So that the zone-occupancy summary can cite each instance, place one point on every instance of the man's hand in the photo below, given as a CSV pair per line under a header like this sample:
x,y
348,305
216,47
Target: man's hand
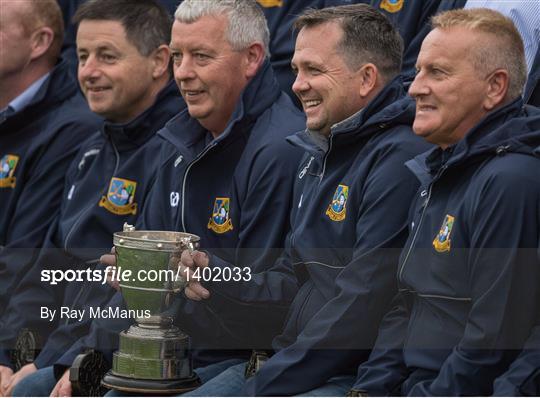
x,y
5,378
63,387
189,262
26,370
110,261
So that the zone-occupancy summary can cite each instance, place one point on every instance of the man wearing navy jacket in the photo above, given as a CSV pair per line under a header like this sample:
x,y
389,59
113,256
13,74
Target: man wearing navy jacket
x,y
43,120
226,172
469,274
348,214
124,73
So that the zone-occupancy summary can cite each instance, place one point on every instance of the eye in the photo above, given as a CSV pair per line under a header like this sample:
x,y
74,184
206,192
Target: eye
x,y
201,57
82,58
108,58
176,56
314,70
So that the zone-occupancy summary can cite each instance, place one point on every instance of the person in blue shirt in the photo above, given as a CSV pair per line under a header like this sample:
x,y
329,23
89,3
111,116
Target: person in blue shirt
x,y
43,120
469,291
108,181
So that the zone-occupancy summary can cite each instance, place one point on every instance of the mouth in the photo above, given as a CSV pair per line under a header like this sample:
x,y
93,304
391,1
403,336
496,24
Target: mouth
x,y
96,89
191,94
312,103
421,108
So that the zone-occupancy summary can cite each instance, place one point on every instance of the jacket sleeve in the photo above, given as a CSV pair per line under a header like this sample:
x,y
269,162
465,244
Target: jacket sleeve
x,y
523,376
503,280
343,331
385,370
38,205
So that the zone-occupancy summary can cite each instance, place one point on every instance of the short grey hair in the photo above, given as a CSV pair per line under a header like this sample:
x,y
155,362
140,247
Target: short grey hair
x,y
246,24
504,51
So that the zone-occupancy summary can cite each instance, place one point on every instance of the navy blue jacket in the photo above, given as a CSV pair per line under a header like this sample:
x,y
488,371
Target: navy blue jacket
x,y
338,247
120,156
470,266
37,145
251,166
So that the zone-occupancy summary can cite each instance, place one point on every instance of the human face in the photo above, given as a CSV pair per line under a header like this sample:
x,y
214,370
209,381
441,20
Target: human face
x,y
115,78
325,85
209,73
450,94
15,43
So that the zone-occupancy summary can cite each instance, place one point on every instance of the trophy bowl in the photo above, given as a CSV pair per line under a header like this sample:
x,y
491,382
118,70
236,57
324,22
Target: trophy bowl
x,y
153,355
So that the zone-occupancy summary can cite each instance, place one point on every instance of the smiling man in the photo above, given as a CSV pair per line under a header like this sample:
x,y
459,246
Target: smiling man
x,y
349,210
469,275
123,71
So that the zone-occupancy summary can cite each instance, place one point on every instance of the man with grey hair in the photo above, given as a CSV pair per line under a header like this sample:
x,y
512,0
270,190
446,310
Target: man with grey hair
x,y
469,277
226,174
351,177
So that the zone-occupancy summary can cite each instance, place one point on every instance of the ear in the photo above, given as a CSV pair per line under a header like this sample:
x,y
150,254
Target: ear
x,y
497,88
160,61
368,78
41,41
254,59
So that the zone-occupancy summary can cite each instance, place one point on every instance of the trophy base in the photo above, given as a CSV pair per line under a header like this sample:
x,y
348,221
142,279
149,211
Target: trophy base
x,y
157,387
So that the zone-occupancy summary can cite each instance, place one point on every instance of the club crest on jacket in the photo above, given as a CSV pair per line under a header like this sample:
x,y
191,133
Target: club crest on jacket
x,y
220,221
337,210
120,197
392,5
8,163
442,242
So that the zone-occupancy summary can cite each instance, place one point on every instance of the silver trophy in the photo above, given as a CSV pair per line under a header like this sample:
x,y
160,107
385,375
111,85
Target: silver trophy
x,y
153,355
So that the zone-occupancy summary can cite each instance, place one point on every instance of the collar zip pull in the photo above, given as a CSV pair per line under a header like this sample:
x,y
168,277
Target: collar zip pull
x,y
502,150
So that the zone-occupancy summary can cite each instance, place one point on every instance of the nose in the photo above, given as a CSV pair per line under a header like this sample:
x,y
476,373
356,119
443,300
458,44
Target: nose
x,y
183,69
419,86
88,69
300,84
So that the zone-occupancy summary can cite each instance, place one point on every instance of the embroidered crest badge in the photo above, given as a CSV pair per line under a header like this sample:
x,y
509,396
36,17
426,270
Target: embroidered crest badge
x,y
220,221
270,3
442,241
8,163
337,210
392,5
120,197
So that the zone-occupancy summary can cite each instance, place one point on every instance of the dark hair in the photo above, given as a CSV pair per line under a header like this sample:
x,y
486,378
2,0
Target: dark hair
x,y
368,36
147,23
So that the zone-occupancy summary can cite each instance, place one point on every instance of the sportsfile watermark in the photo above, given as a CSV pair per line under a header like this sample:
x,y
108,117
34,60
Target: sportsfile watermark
x,y
207,274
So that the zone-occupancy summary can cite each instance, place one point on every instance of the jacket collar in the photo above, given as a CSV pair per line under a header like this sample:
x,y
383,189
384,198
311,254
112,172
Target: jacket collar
x,y
136,132
512,128
259,95
57,87
391,106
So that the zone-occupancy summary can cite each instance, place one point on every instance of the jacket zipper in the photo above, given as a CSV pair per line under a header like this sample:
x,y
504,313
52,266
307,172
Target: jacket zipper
x,y
79,220
185,181
413,241
325,158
